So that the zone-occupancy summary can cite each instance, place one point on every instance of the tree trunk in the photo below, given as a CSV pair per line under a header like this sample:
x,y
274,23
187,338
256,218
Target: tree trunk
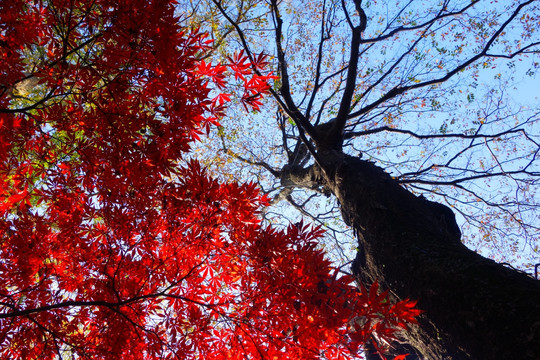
x,y
474,307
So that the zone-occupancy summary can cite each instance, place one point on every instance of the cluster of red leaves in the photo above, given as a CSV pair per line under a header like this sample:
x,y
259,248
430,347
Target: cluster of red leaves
x,y
112,245
247,71
381,319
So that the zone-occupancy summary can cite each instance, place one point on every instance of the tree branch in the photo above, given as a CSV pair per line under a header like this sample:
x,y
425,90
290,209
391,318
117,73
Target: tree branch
x,y
398,90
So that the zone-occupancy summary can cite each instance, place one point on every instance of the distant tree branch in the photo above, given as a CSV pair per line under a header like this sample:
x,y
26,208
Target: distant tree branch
x,y
467,178
398,90
419,26
317,79
352,134
262,164
285,90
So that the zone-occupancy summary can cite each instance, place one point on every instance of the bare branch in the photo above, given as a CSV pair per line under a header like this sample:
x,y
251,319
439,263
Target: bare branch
x,y
398,90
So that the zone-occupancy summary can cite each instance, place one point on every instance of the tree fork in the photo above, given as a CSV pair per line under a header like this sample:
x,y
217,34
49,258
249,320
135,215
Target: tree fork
x,y
474,307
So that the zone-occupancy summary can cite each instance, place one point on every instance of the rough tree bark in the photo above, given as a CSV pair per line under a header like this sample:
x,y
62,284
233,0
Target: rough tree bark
x,y
474,307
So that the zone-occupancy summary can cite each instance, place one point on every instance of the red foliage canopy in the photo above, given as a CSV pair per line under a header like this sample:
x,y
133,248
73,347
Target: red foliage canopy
x,y
112,244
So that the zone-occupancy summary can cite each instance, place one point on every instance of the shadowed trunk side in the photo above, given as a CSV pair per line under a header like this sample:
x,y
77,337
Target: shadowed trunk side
x,y
474,307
